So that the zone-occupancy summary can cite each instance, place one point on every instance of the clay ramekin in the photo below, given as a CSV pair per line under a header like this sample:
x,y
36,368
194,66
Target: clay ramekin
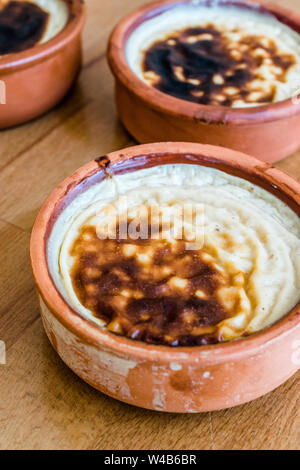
x,y
183,379
35,80
269,132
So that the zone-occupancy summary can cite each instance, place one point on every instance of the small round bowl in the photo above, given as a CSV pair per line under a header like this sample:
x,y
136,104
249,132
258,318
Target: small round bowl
x,y
269,132
182,379
35,80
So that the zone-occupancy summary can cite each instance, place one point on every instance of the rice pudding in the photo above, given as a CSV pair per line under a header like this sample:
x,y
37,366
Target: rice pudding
x,y
217,55
161,288
25,24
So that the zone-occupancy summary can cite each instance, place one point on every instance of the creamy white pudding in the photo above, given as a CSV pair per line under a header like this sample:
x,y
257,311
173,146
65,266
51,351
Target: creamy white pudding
x,y
242,279
25,24
219,55
58,16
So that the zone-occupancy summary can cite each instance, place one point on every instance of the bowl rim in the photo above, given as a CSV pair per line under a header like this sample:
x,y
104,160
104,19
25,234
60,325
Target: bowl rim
x,y
33,55
134,158
163,102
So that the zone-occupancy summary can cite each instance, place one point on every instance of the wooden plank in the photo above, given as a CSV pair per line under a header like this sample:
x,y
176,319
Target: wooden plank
x,y
100,20
45,406
18,307
269,423
291,165
92,131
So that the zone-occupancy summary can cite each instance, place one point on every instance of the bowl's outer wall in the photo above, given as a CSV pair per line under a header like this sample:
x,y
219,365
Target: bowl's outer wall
x,y
33,87
36,89
174,386
268,141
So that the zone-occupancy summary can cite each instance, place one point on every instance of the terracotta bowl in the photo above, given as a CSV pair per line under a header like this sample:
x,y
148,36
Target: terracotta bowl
x,y
269,132
183,379
36,79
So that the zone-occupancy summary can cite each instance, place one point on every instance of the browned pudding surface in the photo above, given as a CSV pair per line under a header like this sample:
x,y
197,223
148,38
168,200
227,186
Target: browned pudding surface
x,y
151,290
205,66
22,25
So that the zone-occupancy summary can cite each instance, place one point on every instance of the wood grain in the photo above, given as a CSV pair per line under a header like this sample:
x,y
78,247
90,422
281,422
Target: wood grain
x,y
44,405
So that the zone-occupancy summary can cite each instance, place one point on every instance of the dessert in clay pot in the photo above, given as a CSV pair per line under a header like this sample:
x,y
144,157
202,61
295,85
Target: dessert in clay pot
x,y
40,55
174,266
214,72
227,56
25,24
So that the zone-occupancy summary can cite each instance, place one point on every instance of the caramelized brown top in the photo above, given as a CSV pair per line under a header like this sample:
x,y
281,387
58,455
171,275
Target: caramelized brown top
x,y
22,25
205,66
150,290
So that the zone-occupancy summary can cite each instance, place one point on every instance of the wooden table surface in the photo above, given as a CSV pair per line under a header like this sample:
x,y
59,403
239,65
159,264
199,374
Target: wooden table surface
x,y
43,404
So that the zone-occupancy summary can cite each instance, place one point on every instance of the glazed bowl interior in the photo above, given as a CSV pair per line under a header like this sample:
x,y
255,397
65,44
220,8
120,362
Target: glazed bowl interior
x,y
43,50
129,160
159,100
